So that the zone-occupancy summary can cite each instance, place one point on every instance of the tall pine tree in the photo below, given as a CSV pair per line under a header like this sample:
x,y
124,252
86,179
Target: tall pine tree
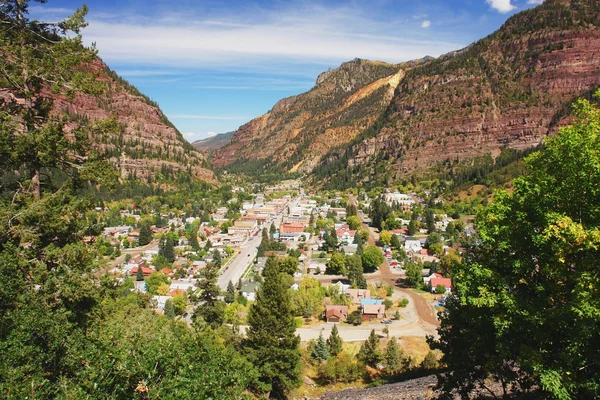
x,y
272,344
321,351
211,309
334,342
369,353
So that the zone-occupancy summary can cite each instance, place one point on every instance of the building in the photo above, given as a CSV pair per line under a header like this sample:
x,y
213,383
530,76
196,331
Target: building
x,y
358,294
373,311
291,227
335,313
243,227
445,282
249,289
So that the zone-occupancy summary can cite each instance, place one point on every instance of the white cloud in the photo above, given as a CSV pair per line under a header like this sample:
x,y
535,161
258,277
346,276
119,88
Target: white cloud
x,y
536,2
266,41
502,6
209,117
426,24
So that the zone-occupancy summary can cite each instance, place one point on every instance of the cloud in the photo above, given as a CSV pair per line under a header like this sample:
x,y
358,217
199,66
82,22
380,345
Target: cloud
x,y
502,6
426,24
536,2
261,40
209,117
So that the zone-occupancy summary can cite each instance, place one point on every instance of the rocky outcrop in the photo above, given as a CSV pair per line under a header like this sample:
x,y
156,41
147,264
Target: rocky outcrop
x,y
213,143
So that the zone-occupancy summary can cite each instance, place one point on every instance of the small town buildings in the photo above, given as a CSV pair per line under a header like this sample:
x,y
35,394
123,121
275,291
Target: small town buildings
x,y
444,282
145,271
373,311
249,289
358,294
335,313
365,302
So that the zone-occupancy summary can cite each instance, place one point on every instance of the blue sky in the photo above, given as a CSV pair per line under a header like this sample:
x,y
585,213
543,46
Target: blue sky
x,y
214,65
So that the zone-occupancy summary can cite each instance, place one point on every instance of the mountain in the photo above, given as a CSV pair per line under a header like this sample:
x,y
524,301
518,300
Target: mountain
x,y
507,90
299,130
213,143
141,142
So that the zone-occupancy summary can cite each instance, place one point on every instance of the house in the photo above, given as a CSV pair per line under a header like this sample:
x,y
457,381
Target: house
x,y
145,271
335,313
249,289
341,287
160,301
412,245
445,282
373,311
427,279
358,294
183,285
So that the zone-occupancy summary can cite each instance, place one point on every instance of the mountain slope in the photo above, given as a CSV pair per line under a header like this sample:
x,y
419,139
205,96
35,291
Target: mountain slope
x,y
213,143
139,140
507,90
299,130
510,89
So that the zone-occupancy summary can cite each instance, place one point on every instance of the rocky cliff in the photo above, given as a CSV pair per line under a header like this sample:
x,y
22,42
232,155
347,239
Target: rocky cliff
x,y
139,140
213,143
509,89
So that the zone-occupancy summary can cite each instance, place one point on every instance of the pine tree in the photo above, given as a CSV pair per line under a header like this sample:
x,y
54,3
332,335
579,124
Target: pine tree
x,y
321,351
169,309
334,342
193,240
392,359
145,235
369,353
230,294
412,227
139,275
272,344
211,308
169,250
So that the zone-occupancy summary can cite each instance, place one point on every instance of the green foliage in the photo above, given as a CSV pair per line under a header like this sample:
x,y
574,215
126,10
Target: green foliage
x,y
154,281
230,294
139,275
336,264
145,235
354,318
272,344
526,310
412,227
395,242
372,258
342,368
169,309
307,301
320,351
354,269
335,342
353,222
385,237
211,309
369,353
166,248
403,302
393,358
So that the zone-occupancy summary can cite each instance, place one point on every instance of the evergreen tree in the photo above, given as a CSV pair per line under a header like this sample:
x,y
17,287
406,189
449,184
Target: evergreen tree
x,y
230,294
211,308
320,351
412,227
354,269
334,342
169,309
392,359
272,344
369,353
145,235
272,229
193,240
395,243
139,275
166,248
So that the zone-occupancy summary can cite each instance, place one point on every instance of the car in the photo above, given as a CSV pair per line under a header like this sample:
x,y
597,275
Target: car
x,y
386,321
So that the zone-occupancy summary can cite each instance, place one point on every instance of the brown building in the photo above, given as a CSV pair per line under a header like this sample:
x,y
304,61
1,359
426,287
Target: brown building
x,y
336,313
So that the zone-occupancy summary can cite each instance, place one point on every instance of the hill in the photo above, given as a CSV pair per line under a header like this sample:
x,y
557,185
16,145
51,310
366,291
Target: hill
x,y
508,90
213,143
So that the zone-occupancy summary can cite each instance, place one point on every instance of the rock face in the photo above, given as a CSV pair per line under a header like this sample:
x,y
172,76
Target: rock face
x,y
299,130
145,142
510,89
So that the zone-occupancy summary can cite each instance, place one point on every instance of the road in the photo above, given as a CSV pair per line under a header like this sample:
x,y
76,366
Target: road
x,y
236,268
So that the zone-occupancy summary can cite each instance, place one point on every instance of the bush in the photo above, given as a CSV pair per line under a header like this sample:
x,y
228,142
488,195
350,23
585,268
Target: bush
x,y
388,303
402,303
343,368
354,318
440,289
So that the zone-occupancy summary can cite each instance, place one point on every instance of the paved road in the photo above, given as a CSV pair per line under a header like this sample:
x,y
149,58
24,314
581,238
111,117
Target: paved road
x,y
236,268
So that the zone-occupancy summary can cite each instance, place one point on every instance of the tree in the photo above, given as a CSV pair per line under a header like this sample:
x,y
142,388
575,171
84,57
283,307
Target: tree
x,y
193,240
379,212
139,275
385,237
430,220
395,242
448,263
169,309
154,281
331,241
527,308
412,227
211,308
166,248
372,258
353,222
336,264
145,235
320,351
393,359
354,271
272,344
354,318
414,275
179,303
230,294
335,342
369,353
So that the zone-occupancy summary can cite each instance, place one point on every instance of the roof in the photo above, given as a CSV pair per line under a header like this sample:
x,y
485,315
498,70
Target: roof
x,y
364,302
250,287
373,309
336,311
446,282
359,292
